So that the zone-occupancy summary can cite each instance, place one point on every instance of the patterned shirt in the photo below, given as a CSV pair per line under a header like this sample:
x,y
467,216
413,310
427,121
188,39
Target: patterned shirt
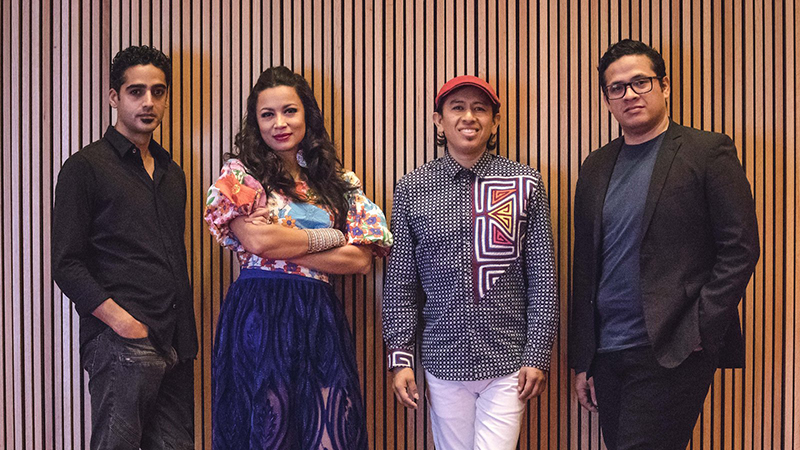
x,y
238,193
478,242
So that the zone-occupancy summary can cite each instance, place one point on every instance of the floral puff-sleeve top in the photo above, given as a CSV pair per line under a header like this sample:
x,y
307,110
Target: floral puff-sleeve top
x,y
237,193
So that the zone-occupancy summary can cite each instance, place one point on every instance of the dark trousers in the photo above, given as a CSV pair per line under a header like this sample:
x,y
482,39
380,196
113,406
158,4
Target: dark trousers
x,y
645,406
140,397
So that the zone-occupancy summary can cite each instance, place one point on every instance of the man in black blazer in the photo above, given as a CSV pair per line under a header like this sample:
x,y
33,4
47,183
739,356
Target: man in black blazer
x,y
665,243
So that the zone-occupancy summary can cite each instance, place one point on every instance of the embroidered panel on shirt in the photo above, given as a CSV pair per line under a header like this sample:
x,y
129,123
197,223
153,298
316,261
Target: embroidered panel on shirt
x,y
499,214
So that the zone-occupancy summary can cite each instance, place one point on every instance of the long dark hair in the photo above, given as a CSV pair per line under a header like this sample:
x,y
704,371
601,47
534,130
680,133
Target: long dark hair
x,y
324,169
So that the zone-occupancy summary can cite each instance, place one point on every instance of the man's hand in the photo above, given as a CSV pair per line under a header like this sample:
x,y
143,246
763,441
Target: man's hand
x,y
132,328
585,389
405,387
532,382
120,320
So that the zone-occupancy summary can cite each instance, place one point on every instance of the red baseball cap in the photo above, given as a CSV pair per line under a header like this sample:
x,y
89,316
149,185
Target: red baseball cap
x,y
465,80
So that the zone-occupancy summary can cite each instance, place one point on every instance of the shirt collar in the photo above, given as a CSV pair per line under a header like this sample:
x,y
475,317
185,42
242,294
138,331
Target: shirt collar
x,y
123,146
480,168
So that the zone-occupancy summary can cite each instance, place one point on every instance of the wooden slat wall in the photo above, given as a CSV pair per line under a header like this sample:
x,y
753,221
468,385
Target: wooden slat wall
x,y
375,67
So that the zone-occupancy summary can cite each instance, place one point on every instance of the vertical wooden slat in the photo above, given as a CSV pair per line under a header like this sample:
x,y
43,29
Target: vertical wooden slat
x,y
791,103
44,173
26,222
772,241
7,431
9,390
6,392
504,35
19,307
36,258
510,68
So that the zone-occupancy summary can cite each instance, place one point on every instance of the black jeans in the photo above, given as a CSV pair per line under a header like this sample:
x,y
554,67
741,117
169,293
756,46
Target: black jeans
x,y
140,398
645,406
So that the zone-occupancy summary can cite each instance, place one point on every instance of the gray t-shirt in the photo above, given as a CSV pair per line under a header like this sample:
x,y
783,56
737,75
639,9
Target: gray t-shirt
x,y
619,297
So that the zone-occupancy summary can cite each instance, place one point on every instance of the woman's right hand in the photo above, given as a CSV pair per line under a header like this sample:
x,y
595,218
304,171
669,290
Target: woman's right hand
x,y
261,216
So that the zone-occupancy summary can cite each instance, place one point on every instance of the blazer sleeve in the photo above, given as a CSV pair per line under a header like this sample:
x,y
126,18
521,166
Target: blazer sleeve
x,y
735,234
581,343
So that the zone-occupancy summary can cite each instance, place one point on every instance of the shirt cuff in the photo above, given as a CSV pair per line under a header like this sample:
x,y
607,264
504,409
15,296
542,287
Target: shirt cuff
x,y
400,358
86,303
536,358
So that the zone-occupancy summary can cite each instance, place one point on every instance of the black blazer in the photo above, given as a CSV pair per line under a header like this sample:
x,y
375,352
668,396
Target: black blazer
x,y
699,248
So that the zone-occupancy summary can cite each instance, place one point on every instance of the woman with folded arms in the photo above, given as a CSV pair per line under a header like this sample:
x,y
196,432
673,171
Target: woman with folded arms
x,y
284,373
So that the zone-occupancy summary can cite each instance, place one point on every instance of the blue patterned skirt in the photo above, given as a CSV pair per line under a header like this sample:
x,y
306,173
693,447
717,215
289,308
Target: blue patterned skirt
x,y
284,374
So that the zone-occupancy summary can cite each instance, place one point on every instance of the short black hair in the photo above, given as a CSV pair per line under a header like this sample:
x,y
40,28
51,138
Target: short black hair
x,y
138,56
627,47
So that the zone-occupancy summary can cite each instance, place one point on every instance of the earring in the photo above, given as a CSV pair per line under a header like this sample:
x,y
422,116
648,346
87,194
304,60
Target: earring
x,y
300,160
492,144
440,140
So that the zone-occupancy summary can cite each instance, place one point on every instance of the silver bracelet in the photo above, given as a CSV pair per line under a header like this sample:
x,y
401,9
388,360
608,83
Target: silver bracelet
x,y
323,239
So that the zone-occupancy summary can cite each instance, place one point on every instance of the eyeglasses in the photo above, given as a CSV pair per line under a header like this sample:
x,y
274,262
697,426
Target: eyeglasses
x,y
640,86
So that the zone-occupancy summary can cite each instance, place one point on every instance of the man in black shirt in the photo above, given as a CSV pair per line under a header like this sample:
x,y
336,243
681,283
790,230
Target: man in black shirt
x,y
665,243
119,255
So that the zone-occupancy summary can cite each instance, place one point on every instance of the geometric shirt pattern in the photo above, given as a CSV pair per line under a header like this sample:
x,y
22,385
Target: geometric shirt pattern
x,y
499,215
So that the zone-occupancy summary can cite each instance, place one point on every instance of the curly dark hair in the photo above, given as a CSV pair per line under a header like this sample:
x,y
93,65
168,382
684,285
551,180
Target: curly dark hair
x,y
627,47
324,169
138,56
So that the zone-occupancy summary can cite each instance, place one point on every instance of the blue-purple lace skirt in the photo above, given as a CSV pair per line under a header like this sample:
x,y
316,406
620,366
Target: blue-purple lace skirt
x,y
284,374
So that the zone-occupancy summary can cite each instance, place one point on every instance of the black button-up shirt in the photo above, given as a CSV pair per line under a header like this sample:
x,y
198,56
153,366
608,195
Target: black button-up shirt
x,y
478,242
117,233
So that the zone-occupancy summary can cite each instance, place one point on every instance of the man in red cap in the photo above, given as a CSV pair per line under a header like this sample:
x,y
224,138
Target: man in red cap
x,y
472,231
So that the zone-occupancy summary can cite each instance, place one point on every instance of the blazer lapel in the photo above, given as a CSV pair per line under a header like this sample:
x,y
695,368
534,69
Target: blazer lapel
x,y
666,154
605,169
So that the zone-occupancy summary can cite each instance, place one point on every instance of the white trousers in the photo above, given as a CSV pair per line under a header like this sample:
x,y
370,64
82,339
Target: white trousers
x,y
475,415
